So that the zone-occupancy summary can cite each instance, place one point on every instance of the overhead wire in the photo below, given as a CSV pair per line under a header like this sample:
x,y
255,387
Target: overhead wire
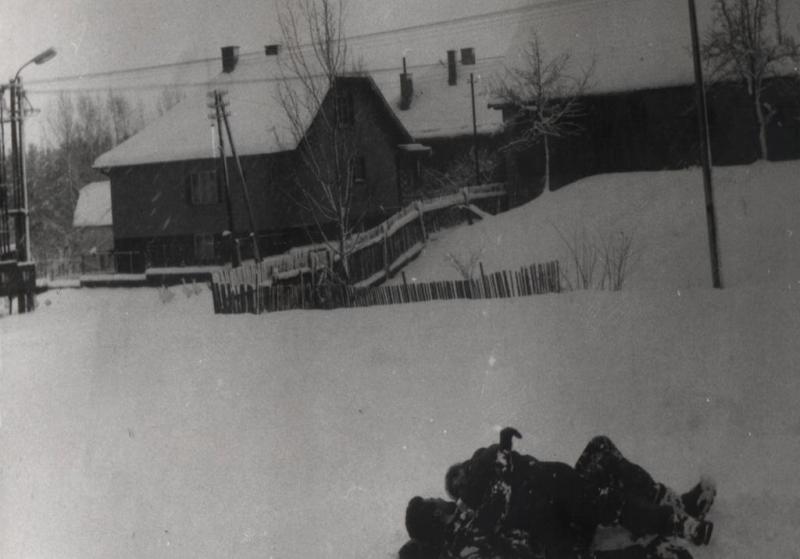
x,y
373,40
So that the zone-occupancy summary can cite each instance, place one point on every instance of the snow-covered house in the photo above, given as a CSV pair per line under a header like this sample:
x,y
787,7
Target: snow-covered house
x,y
92,218
445,104
640,101
168,205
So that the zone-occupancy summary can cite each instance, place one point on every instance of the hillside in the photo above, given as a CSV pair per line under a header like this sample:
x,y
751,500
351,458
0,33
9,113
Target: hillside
x,y
758,216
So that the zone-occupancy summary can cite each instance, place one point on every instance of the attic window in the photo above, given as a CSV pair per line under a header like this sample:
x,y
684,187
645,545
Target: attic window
x,y
468,56
345,108
202,188
358,169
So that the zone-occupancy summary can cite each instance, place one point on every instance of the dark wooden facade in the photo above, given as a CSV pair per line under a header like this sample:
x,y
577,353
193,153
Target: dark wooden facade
x,y
656,129
155,217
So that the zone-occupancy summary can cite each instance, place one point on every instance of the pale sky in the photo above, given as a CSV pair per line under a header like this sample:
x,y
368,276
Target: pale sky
x,y
101,35
94,36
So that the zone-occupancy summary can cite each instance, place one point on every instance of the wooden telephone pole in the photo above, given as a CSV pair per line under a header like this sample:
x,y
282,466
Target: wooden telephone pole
x,y
221,117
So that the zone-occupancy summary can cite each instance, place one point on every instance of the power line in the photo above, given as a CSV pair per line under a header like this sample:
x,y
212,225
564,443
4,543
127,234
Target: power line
x,y
213,82
483,21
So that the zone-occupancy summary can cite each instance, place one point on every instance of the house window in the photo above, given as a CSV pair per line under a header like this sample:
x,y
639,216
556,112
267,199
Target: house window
x,y
358,169
468,56
203,188
345,108
204,247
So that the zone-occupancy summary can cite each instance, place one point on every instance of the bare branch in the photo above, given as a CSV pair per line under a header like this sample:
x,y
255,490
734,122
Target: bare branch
x,y
544,100
313,93
741,47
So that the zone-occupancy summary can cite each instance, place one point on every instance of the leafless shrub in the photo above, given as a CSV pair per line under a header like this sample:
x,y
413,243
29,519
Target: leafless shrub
x,y
598,261
618,255
466,265
461,172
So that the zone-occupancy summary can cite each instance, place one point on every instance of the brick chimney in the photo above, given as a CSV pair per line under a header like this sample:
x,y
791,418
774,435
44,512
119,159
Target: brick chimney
x,y
230,56
452,75
406,88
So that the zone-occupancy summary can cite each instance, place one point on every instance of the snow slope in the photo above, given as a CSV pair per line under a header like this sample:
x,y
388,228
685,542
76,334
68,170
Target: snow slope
x,y
758,217
130,427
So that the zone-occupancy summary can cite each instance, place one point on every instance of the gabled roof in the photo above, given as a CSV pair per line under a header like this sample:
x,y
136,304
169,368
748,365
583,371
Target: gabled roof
x,y
632,45
94,205
440,110
258,121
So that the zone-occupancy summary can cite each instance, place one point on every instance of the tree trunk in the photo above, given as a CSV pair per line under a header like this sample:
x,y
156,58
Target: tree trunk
x,y
547,163
762,125
343,256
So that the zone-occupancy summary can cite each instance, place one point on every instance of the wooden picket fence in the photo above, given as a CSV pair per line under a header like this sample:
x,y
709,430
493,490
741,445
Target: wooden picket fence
x,y
254,298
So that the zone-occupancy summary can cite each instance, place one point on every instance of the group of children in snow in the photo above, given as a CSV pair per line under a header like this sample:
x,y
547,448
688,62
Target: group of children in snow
x,y
506,505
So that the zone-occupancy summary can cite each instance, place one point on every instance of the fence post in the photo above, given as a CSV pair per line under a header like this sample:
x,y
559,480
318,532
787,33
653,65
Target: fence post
x,y
484,282
465,193
421,213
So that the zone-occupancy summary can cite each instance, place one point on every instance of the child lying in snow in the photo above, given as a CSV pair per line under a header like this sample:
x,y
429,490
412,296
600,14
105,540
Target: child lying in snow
x,y
513,506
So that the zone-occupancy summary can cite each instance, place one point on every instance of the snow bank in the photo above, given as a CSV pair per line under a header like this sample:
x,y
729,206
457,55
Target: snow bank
x,y
758,216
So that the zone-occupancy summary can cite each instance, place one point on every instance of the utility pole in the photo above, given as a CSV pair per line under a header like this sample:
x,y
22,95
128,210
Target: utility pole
x,y
705,149
18,174
218,107
475,130
253,238
5,240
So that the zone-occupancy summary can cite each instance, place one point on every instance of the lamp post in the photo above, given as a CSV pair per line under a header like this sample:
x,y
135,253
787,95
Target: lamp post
x,y
22,226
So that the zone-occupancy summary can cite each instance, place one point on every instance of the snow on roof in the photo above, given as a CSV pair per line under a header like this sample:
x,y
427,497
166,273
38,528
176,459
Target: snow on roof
x,y
628,44
257,119
260,125
94,205
631,44
442,110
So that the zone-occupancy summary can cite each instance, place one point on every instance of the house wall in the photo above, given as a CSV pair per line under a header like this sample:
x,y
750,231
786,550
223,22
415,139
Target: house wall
x,y
374,136
152,212
657,129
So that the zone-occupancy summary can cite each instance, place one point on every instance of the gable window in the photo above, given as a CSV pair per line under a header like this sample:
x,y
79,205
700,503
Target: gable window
x,y
204,247
203,189
358,169
345,108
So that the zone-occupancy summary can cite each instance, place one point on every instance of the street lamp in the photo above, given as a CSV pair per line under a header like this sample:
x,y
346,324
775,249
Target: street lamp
x,y
22,226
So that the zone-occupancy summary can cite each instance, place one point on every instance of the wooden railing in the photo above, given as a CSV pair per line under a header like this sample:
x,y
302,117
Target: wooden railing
x,y
373,255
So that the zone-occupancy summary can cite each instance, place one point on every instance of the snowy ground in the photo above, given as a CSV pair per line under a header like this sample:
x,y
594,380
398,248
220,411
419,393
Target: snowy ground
x,y
664,214
130,427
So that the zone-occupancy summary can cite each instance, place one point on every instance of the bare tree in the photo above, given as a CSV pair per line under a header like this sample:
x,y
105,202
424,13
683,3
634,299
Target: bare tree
x,y
168,98
743,46
460,172
314,88
543,99
124,120
79,130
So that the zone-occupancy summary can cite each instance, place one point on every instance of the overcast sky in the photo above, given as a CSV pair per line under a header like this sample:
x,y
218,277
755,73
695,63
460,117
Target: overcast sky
x,y
101,35
94,36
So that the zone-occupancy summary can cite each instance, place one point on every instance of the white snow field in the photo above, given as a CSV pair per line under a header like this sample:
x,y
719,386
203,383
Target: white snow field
x,y
130,427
